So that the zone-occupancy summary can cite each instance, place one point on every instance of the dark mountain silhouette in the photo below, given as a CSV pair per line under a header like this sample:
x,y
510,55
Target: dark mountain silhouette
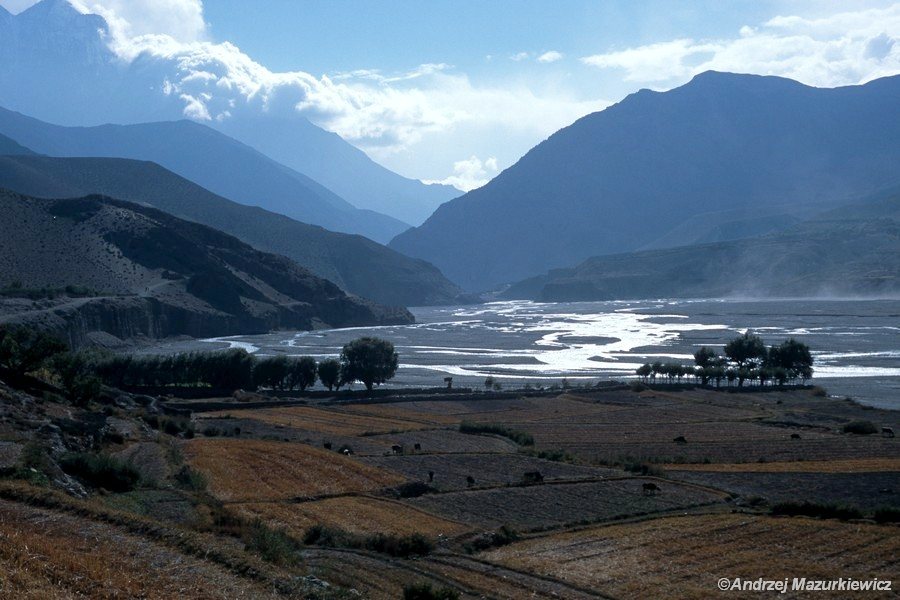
x,y
10,146
354,262
155,275
712,160
849,251
211,159
55,64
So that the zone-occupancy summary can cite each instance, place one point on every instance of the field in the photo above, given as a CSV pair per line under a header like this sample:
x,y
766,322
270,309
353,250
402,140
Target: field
x,y
260,470
684,557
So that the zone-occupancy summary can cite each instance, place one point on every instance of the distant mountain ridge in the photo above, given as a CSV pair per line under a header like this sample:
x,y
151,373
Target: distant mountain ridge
x,y
210,159
159,275
55,65
355,263
723,151
849,251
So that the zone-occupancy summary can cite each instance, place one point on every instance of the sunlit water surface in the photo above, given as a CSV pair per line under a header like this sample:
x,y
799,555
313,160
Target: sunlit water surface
x,y
856,343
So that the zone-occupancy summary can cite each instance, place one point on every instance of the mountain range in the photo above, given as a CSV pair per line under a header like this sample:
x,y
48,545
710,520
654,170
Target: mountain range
x,y
143,272
850,251
57,65
210,159
355,263
723,157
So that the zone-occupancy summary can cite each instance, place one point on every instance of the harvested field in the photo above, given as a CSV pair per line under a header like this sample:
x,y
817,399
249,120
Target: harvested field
x,y
683,557
357,514
450,471
329,421
48,555
259,470
440,441
862,465
547,506
867,491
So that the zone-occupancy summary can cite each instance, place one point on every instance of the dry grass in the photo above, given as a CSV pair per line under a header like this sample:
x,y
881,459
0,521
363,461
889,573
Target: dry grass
x,y
685,556
355,514
322,420
46,555
242,470
862,465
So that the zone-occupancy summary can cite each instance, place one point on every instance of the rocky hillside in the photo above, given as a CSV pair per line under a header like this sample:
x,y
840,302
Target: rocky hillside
x,y
723,157
355,263
138,272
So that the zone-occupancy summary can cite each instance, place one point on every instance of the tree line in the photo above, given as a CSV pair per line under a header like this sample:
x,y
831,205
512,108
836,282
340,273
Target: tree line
x,y
746,358
371,361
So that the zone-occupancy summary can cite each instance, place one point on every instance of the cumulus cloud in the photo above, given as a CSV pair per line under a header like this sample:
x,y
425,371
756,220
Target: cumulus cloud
x,y
840,49
471,173
550,56
520,56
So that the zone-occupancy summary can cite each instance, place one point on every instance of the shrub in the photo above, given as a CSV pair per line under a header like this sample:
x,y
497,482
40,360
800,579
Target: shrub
x,y
424,591
414,489
25,349
210,431
645,469
887,514
812,509
861,427
191,479
520,437
554,455
402,546
502,537
101,471
273,545
819,392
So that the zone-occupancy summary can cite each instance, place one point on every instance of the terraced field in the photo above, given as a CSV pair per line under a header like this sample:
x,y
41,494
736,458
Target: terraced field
x,y
451,470
331,421
547,506
685,556
357,514
261,470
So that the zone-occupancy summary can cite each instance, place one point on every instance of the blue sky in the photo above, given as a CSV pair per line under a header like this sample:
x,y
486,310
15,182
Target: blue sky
x,y
458,90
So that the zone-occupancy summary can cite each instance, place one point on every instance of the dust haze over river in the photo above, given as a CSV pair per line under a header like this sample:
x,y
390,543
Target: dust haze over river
x,y
855,343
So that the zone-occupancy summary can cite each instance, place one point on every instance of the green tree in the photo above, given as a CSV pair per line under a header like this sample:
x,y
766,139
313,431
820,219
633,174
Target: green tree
x,y
369,360
26,349
644,371
793,357
271,372
301,373
747,352
330,373
705,357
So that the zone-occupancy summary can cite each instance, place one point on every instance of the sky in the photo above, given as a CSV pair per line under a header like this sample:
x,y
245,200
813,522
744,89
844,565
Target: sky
x,y
457,90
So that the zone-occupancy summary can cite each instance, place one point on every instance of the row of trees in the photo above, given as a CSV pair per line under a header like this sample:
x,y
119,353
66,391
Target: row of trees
x,y
746,358
371,361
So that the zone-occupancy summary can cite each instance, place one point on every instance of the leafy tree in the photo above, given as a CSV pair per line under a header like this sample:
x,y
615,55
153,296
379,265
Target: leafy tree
x,y
488,382
706,357
747,352
271,372
369,360
76,374
644,372
792,356
301,373
26,349
330,373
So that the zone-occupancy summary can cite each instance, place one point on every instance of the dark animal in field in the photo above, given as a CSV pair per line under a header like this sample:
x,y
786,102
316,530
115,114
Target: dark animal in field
x,y
417,447
795,436
345,450
887,431
327,445
430,476
532,477
680,440
885,491
397,449
650,489
470,481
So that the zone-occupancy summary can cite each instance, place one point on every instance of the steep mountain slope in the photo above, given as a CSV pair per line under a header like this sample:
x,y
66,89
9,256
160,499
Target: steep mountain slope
x,y
355,263
155,275
209,158
854,250
628,177
55,64
10,146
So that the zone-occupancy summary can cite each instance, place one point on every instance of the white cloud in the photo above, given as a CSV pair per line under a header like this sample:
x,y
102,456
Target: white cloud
x,y
550,56
519,56
471,173
841,49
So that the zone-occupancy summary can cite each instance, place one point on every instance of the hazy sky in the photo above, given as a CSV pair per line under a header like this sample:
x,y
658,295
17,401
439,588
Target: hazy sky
x,y
456,90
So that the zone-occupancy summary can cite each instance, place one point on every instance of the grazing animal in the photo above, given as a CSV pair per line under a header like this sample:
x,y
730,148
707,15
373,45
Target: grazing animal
x,y
650,489
680,440
795,436
397,449
430,476
533,477
417,447
347,451
327,445
887,431
470,481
